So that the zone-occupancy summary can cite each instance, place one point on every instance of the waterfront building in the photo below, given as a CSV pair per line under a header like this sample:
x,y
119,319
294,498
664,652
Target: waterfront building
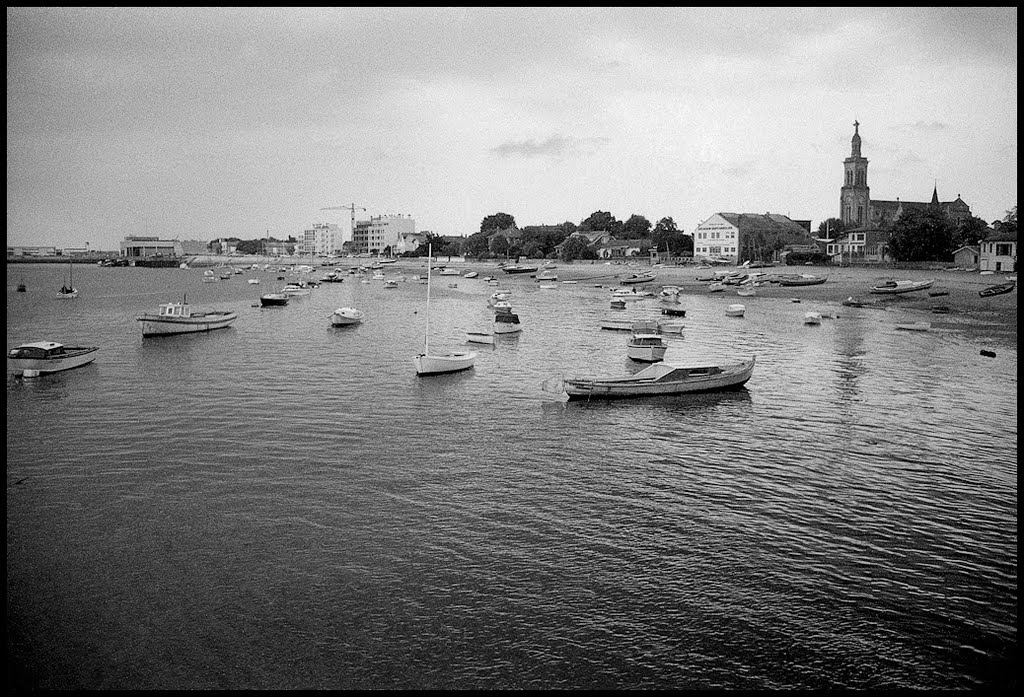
x,y
737,237
140,247
967,257
998,252
380,235
321,240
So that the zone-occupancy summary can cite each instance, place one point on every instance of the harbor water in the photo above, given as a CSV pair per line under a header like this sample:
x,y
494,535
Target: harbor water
x,y
284,504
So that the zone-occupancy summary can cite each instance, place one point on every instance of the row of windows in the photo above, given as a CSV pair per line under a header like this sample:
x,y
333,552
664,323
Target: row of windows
x,y
716,235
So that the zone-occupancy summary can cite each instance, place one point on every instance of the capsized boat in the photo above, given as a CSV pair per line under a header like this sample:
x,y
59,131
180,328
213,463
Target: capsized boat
x,y
662,379
178,318
41,357
345,316
897,287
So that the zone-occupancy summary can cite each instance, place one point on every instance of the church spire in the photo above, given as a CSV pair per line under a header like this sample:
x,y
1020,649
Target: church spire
x,y
935,194
855,142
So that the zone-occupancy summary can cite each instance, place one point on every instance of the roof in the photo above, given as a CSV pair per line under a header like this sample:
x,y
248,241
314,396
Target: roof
x,y
765,222
45,345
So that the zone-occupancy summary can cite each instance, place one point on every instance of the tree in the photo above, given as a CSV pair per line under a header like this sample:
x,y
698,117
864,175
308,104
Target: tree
x,y
665,234
577,247
601,221
497,221
970,231
1008,223
476,245
665,225
924,234
636,228
831,228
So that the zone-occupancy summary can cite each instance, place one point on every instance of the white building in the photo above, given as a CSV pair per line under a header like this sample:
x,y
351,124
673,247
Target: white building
x,y
999,252
381,235
322,240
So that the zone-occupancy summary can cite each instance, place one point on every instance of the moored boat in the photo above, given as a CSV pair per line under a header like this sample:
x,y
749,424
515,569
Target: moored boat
x,y
645,342
812,318
41,357
273,299
897,287
480,338
345,316
178,318
507,323
662,379
428,363
736,310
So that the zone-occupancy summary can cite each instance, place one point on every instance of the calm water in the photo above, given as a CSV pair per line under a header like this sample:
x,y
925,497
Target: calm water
x,y
283,504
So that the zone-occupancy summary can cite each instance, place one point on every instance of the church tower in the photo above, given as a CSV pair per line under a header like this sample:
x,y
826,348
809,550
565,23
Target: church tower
x,y
855,197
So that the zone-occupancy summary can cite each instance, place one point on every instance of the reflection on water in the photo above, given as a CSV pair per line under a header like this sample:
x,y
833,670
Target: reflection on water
x,y
285,504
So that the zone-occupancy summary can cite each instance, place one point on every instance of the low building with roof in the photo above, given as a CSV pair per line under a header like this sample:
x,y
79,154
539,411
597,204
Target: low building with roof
x,y
738,237
998,252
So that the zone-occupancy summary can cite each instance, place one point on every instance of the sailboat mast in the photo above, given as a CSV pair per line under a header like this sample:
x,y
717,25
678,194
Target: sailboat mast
x,y
426,335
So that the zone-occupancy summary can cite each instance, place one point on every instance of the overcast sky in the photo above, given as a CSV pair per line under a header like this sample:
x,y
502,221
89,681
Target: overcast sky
x,y
209,122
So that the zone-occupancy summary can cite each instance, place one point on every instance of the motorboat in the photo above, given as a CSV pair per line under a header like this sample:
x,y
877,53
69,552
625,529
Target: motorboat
x,y
273,299
502,307
507,323
897,287
391,283
662,379
41,357
299,288
254,281
344,316
673,311
178,318
646,343
631,293
812,318
618,304
736,310
997,289
209,276
616,325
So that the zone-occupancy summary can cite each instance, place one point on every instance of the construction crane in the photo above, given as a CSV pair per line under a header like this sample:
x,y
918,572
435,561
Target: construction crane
x,y
350,207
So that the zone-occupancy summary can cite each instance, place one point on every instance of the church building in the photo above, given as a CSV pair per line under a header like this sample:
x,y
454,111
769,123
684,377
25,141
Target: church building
x,y
869,221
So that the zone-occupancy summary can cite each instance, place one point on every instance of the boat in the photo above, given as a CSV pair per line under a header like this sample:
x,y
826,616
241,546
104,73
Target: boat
x,y
548,286
546,276
391,283
41,357
716,287
662,379
673,311
345,316
507,323
897,287
21,288
736,310
637,278
254,281
178,318
520,269
853,302
299,288
619,325
915,326
69,291
802,279
673,327
812,318
645,342
746,291
273,299
618,304
447,272
480,338
209,276
997,289
631,293
428,363
471,274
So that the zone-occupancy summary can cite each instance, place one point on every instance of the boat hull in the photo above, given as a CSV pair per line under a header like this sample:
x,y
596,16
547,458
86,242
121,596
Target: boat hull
x,y
155,325
732,377
436,364
996,290
646,354
74,357
273,300
904,287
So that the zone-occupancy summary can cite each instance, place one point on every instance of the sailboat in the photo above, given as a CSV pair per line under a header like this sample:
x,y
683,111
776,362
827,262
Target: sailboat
x,y
428,363
69,290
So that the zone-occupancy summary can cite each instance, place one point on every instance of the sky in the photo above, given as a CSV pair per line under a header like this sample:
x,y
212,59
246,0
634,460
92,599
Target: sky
x,y
200,123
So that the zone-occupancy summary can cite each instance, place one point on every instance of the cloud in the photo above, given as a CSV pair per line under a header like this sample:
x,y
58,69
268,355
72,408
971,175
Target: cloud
x,y
555,146
924,126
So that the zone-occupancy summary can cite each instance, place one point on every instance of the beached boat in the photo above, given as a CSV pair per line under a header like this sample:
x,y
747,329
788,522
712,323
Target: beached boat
x,y
273,299
897,287
471,274
997,289
507,323
41,357
637,278
645,342
716,287
735,310
428,363
746,291
546,276
802,279
345,316
662,379
178,318
520,269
